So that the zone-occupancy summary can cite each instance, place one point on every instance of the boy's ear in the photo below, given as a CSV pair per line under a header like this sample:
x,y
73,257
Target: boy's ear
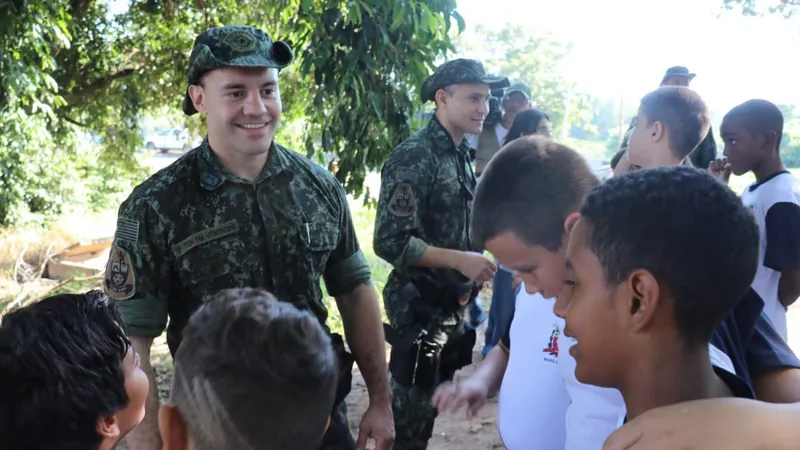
x,y
174,433
770,140
327,425
569,223
658,131
644,298
108,427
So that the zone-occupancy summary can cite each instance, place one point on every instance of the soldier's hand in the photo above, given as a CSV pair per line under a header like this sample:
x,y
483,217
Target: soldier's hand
x,y
451,397
720,169
476,267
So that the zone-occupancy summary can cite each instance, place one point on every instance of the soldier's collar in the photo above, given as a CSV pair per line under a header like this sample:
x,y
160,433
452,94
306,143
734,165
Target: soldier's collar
x,y
442,136
213,174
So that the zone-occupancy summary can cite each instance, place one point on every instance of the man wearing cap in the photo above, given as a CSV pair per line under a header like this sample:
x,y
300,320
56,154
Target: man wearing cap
x,y
243,211
704,153
422,229
517,98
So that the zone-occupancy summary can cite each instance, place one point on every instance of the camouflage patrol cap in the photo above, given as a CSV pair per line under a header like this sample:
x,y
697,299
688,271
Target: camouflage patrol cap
x,y
233,46
459,71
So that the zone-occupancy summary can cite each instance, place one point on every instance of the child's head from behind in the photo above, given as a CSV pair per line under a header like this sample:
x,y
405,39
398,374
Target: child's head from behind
x,y
752,134
659,257
525,204
69,378
251,373
672,121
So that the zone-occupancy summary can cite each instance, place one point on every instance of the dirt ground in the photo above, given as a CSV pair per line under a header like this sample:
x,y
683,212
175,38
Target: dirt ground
x,y
451,431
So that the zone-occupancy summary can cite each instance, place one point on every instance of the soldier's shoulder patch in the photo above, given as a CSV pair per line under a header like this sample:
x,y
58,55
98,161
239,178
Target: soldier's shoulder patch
x,y
127,230
402,203
120,278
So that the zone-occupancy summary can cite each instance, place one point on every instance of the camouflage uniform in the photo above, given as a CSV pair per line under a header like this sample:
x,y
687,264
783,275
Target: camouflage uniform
x,y
194,228
426,196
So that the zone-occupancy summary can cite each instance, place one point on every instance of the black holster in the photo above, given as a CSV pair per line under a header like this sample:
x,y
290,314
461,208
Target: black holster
x,y
457,353
414,360
345,365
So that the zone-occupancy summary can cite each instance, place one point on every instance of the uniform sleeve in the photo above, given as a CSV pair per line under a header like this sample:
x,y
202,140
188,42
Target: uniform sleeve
x,y
347,267
782,227
138,273
767,350
405,181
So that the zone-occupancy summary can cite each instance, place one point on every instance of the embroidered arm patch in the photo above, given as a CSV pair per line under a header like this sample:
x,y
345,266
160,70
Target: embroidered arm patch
x,y
127,230
120,279
402,203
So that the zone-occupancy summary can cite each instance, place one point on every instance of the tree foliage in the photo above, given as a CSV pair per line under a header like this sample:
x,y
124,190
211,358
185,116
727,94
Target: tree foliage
x,y
536,59
70,68
787,8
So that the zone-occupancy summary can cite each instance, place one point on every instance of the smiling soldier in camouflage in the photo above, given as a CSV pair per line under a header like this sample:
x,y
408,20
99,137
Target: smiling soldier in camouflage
x,y
243,211
422,229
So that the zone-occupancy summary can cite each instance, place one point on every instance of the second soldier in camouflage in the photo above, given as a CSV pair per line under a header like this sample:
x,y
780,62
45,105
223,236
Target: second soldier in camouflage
x,y
422,229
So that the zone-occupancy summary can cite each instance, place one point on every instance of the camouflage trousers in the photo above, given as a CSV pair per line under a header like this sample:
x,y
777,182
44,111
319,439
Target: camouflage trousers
x,y
414,414
338,436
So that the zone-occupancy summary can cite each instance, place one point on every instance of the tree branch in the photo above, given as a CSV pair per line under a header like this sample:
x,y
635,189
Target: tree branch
x,y
82,94
74,122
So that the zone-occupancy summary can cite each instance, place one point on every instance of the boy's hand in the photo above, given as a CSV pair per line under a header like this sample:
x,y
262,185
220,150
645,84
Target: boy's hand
x,y
720,169
729,423
450,397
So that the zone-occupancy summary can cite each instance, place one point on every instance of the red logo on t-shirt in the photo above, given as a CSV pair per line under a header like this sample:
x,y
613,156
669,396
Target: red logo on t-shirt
x,y
552,347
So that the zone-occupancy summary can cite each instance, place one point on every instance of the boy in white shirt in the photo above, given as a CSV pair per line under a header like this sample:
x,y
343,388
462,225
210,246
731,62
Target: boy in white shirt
x,y
752,136
570,415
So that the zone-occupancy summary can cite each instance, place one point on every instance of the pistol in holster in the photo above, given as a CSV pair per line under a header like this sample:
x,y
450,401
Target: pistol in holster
x,y
417,361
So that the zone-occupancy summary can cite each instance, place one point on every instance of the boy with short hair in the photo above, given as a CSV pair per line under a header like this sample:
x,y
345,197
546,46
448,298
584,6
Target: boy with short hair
x,y
251,373
526,205
672,121
69,378
534,189
641,311
752,135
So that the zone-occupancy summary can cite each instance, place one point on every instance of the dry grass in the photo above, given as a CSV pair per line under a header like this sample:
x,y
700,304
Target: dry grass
x,y
24,252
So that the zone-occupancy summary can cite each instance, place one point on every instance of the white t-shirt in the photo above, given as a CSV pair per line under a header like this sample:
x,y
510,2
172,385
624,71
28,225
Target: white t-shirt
x,y
533,400
541,403
775,202
501,132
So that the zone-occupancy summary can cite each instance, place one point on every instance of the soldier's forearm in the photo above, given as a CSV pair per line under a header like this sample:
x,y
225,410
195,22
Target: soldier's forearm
x,y
146,436
363,329
439,258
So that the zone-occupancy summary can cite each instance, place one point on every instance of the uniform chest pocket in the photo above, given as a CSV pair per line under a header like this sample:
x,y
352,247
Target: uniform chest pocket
x,y
318,241
319,237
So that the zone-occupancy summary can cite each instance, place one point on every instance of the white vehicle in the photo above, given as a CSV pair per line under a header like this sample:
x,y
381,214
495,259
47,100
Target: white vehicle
x,y
172,139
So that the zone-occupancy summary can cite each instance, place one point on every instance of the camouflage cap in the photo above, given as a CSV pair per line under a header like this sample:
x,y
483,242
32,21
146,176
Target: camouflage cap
x,y
233,46
459,71
522,88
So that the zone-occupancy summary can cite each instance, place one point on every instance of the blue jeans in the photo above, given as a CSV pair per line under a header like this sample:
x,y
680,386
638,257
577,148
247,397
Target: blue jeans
x,y
501,310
